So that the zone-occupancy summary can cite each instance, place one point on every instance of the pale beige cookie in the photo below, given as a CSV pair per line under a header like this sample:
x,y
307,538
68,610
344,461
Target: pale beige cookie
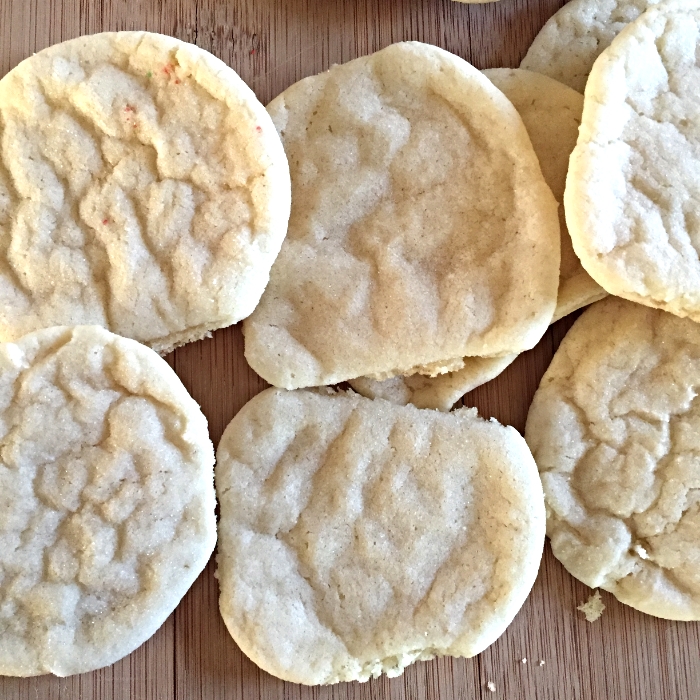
x,y
551,113
439,392
357,537
421,228
614,428
569,43
106,499
143,188
633,189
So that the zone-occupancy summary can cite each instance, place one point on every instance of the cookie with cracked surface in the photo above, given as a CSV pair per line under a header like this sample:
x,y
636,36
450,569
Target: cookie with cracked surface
x,y
569,43
143,188
421,226
633,188
357,536
106,499
551,113
614,430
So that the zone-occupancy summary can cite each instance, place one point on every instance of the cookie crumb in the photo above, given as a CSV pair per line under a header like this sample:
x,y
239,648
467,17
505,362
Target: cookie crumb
x,y
593,607
491,686
524,660
640,551
541,662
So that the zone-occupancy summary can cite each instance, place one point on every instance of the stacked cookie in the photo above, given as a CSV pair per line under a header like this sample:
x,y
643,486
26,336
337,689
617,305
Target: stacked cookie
x,y
143,192
551,113
421,232
612,425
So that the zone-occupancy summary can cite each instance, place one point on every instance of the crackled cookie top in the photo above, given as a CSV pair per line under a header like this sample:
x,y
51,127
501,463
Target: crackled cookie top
x,y
106,499
357,536
143,188
569,43
614,428
421,226
633,190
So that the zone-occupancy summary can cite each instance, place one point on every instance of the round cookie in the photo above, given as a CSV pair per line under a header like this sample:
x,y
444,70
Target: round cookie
x,y
357,537
106,499
633,188
569,43
421,226
143,188
551,113
614,429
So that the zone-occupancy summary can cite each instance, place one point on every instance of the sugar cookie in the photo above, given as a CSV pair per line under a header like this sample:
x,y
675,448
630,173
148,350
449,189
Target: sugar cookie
x,y
357,537
143,188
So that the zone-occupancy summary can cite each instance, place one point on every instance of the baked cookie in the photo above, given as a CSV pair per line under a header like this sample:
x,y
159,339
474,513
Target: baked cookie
x,y
106,499
421,226
569,43
551,113
143,188
439,392
357,537
633,190
614,428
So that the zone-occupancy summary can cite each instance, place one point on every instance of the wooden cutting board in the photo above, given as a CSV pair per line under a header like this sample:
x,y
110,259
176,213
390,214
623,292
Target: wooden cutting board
x,y
272,43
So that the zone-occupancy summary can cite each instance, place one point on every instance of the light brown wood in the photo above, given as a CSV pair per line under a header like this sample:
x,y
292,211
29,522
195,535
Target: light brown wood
x,y
273,43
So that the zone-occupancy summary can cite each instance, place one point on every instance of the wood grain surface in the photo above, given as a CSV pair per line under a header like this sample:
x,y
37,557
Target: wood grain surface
x,y
272,43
